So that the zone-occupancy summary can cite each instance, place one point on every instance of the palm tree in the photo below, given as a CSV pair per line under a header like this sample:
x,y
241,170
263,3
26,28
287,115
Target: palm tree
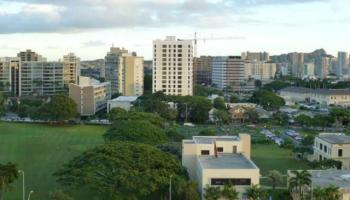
x,y
318,193
8,174
212,193
255,193
299,181
332,193
229,192
276,178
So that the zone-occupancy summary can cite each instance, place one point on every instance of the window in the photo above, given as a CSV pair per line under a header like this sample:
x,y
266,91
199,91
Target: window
x,y
340,152
205,152
233,181
234,149
220,149
325,148
321,146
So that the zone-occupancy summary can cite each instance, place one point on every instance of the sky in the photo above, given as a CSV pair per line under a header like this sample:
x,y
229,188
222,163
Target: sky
x,y
89,28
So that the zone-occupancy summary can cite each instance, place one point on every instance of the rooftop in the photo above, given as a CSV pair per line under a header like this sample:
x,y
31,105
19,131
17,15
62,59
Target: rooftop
x,y
210,139
319,91
335,138
338,178
226,161
125,98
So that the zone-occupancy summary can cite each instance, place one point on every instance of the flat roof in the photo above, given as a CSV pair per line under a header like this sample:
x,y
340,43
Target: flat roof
x,y
210,139
125,98
226,161
304,90
324,178
335,139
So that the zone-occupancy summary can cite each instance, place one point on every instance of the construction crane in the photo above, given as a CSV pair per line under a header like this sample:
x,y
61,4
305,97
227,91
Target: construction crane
x,y
196,39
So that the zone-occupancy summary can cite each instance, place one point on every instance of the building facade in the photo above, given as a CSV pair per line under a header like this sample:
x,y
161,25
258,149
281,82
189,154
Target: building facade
x,y
343,63
29,56
230,72
41,78
263,71
256,56
9,75
218,160
173,66
297,60
309,69
71,68
202,69
90,95
133,74
124,102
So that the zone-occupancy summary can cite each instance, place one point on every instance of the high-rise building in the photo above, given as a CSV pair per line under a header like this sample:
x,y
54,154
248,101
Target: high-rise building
x,y
264,71
114,69
90,95
41,78
256,56
297,60
323,70
30,55
71,68
230,72
173,66
133,76
343,63
202,67
309,69
9,75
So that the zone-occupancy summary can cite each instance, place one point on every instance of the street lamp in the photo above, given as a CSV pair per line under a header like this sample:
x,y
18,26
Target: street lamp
x,y
23,184
170,187
30,194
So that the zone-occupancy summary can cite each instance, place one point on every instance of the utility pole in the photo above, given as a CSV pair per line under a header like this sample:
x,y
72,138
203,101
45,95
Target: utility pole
x,y
23,185
186,113
170,187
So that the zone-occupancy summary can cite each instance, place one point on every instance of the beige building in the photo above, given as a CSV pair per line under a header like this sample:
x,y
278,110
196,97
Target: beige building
x,y
90,95
29,56
71,68
218,160
133,76
263,71
40,78
238,111
297,60
339,97
333,146
9,75
173,66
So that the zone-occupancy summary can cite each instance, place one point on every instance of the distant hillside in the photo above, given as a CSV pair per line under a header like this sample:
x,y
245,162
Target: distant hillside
x,y
314,56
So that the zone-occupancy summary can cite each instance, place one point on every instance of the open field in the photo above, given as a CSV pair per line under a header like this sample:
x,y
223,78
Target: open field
x,y
40,149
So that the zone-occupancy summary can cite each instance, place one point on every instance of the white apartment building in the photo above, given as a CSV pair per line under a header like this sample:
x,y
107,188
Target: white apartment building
x,y
219,160
309,70
40,78
71,68
173,66
90,95
9,75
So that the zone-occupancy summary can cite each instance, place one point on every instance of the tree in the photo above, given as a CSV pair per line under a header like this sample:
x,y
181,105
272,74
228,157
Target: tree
x,y
252,115
229,192
153,118
207,132
219,103
234,99
59,195
267,99
196,108
221,116
60,108
276,178
299,182
122,170
185,190
205,91
281,118
137,131
254,192
117,114
332,193
341,116
2,102
304,120
8,174
212,193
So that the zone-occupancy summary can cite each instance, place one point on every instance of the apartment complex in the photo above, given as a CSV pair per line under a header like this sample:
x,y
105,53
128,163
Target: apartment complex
x,y
133,76
342,63
297,60
219,160
9,75
173,66
114,69
71,68
29,56
339,97
230,72
322,70
263,71
333,146
202,68
90,95
40,78
309,69
256,56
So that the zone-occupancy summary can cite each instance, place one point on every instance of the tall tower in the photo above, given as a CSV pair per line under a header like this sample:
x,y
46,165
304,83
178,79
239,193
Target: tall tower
x,y
71,69
343,63
173,66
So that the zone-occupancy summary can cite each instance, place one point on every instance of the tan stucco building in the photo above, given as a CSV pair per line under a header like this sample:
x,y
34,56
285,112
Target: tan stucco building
x,y
218,160
71,68
133,76
333,146
90,95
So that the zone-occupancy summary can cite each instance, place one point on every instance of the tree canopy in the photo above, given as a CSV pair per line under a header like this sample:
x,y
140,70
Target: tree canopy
x,y
122,170
2,102
8,174
267,99
137,131
219,103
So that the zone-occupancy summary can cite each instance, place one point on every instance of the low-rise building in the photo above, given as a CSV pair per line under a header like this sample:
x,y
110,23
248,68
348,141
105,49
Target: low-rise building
x,y
124,102
338,97
238,110
333,146
218,160
90,95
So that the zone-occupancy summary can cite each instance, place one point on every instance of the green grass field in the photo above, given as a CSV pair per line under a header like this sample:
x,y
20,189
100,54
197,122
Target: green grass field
x,y
40,150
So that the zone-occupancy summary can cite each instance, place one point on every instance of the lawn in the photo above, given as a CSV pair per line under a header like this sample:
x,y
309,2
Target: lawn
x,y
40,150
270,156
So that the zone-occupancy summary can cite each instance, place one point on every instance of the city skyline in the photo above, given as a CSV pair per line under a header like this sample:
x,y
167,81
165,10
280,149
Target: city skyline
x,y
54,28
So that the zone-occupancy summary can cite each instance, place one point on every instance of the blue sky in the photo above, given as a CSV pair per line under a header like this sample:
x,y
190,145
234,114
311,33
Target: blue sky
x,y
89,27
